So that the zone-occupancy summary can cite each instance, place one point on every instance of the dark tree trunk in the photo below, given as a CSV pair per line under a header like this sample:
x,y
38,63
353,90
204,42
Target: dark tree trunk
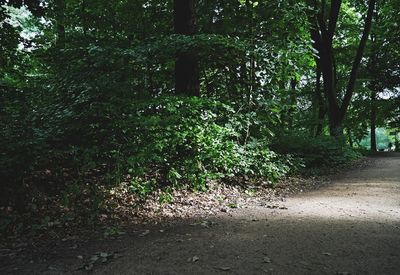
x,y
187,74
293,84
351,143
319,101
328,74
357,61
84,18
373,122
322,33
60,23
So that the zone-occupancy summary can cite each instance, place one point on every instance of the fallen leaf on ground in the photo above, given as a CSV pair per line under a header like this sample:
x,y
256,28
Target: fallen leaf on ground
x,y
88,266
267,260
195,259
146,232
94,258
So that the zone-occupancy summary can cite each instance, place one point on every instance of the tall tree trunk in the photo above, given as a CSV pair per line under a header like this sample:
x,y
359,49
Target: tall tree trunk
x,y
187,74
329,83
373,121
60,23
84,17
323,33
357,61
319,101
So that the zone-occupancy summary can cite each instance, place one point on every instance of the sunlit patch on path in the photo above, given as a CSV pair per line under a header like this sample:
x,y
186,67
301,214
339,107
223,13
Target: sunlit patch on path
x,y
368,194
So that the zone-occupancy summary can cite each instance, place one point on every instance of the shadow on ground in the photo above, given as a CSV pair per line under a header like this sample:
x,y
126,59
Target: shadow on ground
x,y
244,245
351,226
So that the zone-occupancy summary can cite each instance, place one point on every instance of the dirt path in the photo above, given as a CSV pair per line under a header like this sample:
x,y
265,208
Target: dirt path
x,y
351,226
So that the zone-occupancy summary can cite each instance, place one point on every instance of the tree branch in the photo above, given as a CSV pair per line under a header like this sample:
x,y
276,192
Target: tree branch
x,y
333,18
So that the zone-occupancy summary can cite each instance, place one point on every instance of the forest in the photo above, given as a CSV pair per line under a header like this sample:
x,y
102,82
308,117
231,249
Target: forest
x,y
158,95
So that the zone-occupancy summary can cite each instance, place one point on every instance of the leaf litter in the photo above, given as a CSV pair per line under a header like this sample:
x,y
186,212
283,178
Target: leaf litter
x,y
99,257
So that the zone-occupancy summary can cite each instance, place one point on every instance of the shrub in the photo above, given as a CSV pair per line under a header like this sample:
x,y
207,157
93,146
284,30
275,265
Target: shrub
x,y
322,151
193,140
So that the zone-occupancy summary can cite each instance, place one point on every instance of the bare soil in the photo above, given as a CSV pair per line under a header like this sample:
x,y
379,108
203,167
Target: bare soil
x,y
350,225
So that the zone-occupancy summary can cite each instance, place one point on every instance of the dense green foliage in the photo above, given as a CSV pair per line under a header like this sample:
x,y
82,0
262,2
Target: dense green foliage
x,y
87,91
193,140
320,151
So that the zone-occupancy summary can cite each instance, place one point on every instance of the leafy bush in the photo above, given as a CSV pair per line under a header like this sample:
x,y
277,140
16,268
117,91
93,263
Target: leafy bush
x,y
318,151
193,140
